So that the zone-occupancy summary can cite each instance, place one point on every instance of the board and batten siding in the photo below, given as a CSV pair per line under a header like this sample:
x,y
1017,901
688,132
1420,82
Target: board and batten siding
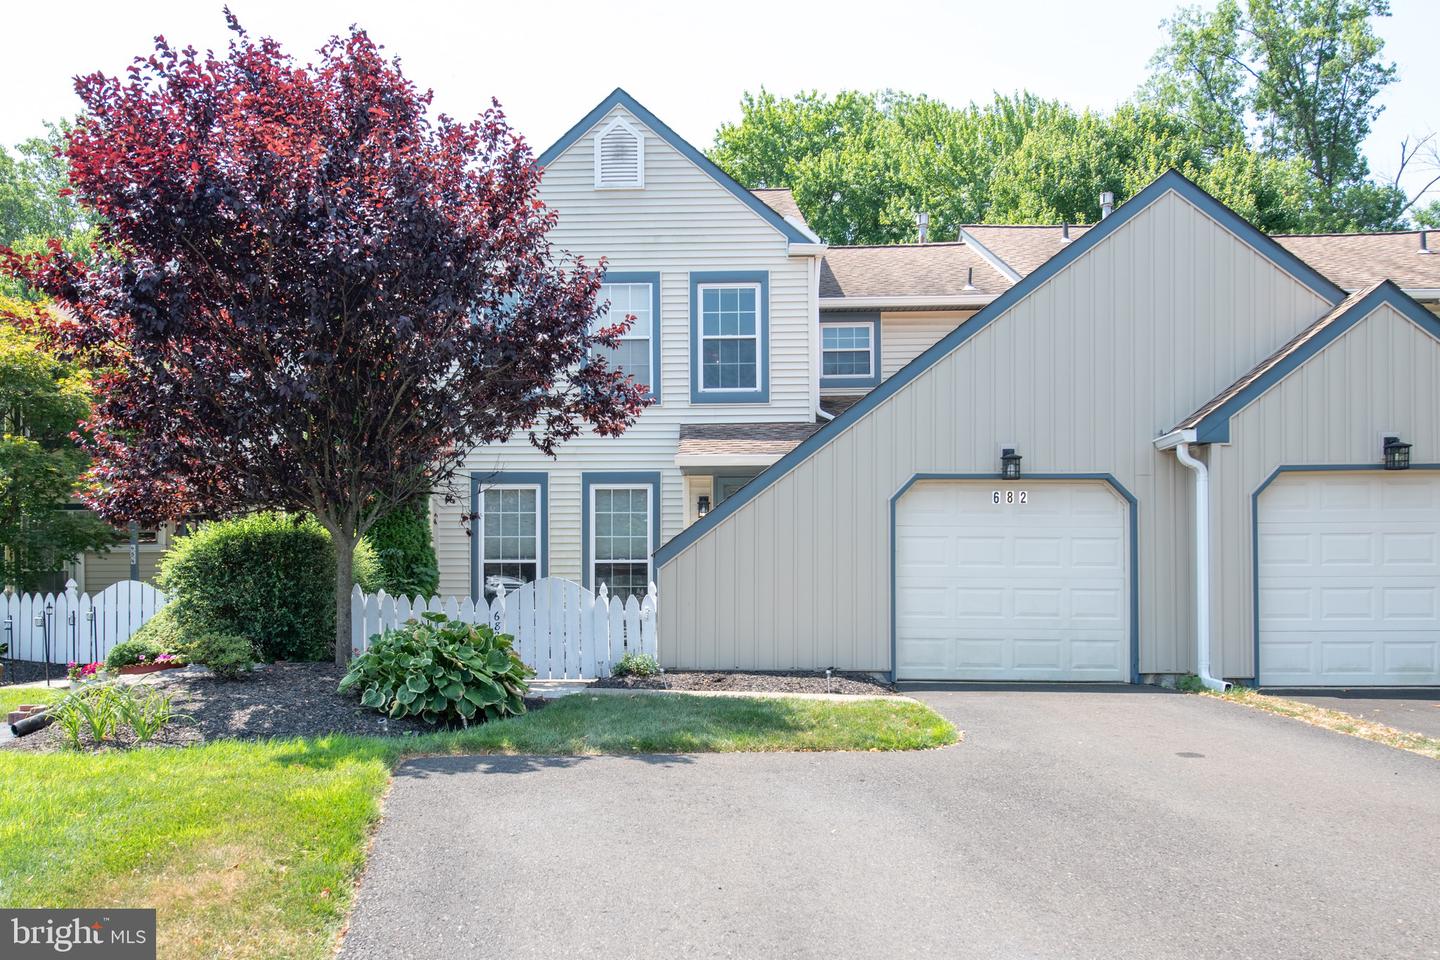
x,y
1381,375
1081,376
682,221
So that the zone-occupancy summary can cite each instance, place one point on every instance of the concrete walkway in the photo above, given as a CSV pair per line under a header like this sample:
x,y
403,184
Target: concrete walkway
x,y
1129,823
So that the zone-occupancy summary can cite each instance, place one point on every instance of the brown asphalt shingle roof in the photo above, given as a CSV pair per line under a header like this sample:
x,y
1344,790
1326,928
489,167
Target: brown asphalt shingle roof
x,y
782,201
1354,260
915,269
743,438
1024,247
1270,362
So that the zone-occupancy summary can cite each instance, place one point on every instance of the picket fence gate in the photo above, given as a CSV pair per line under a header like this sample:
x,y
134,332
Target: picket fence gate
x,y
562,630
75,626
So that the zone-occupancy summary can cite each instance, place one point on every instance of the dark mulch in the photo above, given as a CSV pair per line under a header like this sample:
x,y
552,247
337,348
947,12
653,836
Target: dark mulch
x,y
794,681
29,671
277,700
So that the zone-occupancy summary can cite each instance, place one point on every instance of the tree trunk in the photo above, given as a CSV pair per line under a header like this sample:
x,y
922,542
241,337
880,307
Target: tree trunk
x,y
344,583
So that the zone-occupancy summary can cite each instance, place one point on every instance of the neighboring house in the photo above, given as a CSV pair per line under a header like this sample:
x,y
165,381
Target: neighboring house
x,y
1118,362
723,288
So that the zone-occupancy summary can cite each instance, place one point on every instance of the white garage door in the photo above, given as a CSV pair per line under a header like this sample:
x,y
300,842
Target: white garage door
x,y
1014,581
1349,587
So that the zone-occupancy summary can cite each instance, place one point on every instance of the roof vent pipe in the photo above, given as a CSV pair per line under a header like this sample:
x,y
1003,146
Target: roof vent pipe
x,y
922,223
1425,242
1107,204
969,278
1064,233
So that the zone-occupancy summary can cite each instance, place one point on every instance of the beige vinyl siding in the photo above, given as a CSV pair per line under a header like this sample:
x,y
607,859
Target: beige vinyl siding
x,y
1081,376
114,567
1383,374
682,221
904,335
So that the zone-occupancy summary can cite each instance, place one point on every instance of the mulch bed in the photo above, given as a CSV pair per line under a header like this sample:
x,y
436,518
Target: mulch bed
x,y
30,671
277,700
794,681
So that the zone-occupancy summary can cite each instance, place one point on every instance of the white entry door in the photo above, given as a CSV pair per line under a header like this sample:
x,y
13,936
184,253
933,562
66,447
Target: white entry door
x,y
1021,580
1349,579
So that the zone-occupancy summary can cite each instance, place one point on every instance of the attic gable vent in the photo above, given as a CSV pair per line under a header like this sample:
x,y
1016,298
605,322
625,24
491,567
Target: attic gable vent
x,y
619,157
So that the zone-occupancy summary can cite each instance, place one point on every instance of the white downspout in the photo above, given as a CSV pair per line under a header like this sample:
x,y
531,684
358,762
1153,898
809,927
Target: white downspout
x,y
1202,567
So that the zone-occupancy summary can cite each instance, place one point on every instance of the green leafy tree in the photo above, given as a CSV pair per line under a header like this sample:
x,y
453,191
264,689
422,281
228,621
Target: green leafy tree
x,y
402,544
42,400
1309,73
35,202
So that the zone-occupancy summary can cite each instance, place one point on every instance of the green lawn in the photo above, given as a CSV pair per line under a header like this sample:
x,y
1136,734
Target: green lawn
x,y
11,697
250,849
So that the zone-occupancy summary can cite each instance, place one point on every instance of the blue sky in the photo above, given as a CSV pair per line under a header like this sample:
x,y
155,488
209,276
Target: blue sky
x,y
549,63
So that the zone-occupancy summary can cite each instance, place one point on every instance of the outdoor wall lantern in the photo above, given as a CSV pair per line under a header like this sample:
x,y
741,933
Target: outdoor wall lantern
x,y
1397,454
1010,464
702,506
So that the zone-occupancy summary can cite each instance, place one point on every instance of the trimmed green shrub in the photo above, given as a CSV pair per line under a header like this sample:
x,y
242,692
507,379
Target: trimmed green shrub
x,y
268,577
635,665
228,655
140,649
162,632
407,557
441,670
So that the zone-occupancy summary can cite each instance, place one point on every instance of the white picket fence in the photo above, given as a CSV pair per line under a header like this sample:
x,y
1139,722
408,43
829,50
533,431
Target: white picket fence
x,y
561,629
75,626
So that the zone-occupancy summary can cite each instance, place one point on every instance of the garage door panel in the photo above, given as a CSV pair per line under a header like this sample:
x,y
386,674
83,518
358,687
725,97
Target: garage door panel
x,y
1035,590
1349,586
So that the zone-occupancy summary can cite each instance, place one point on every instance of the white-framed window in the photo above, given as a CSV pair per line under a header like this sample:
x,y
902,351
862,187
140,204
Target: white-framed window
x,y
847,350
621,537
636,348
509,535
730,349
619,157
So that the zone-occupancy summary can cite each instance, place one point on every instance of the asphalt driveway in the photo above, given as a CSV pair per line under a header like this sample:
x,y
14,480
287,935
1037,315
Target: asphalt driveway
x,y
1070,824
1416,711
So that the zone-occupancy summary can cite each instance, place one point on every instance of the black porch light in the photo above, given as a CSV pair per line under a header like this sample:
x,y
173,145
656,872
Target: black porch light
x,y
1010,464
1397,454
702,506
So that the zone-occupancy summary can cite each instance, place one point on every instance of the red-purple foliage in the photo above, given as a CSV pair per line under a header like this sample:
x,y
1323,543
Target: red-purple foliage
x,y
307,295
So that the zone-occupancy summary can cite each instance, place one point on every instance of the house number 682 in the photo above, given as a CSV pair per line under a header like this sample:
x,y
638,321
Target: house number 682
x,y
1010,496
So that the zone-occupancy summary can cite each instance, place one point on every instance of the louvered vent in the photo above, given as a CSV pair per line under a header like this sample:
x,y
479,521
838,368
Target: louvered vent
x,y
619,157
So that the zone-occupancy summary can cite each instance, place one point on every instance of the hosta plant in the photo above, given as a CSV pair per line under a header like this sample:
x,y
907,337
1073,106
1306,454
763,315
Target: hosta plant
x,y
442,671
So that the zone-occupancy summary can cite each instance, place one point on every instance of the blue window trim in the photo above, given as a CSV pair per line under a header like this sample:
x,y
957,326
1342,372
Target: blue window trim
x,y
1276,474
1115,485
652,278
851,320
606,478
479,479
619,97
1215,426
1097,234
702,278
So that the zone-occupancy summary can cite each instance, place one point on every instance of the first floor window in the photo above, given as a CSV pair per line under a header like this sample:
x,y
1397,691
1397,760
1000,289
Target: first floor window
x,y
621,539
633,354
509,536
730,337
846,350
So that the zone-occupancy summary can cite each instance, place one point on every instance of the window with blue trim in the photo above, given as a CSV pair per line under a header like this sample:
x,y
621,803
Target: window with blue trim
x,y
730,338
847,351
621,538
634,352
509,523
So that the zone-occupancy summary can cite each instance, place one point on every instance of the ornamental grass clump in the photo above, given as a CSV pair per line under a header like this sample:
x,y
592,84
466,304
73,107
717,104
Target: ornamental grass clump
x,y
442,671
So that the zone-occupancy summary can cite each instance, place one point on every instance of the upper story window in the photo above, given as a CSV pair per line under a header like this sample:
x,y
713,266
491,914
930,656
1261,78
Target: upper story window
x,y
637,295
730,337
619,157
850,352
729,329
846,351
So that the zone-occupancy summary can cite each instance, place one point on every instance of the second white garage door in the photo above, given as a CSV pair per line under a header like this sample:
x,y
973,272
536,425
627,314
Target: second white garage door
x,y
1012,581
1349,579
